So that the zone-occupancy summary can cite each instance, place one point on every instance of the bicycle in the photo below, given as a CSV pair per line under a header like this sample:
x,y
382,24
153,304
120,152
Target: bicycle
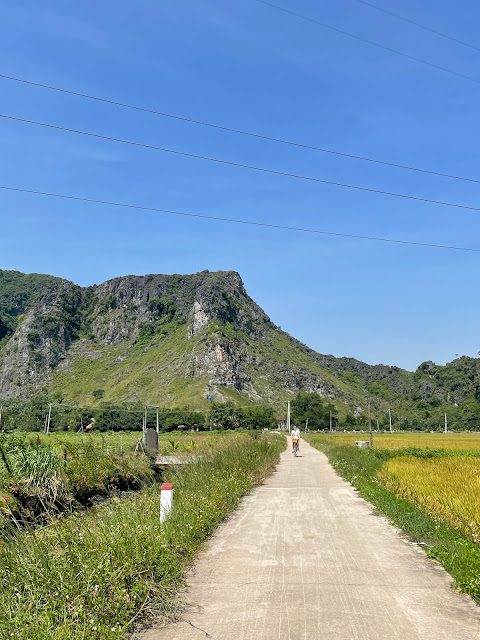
x,y
295,448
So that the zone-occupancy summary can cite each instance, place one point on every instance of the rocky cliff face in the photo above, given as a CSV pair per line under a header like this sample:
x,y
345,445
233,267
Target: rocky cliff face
x,y
120,306
119,311
41,340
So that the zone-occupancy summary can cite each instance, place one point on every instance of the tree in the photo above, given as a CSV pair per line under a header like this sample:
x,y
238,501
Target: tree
x,y
258,417
224,415
309,405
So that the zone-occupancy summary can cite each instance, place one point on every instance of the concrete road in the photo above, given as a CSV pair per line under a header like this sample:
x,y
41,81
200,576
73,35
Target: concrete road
x,y
305,558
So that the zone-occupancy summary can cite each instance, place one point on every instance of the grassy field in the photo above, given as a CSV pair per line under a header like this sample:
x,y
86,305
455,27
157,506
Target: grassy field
x,y
97,573
449,441
126,441
46,475
429,491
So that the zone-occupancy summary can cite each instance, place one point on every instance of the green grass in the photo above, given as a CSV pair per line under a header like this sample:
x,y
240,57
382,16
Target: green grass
x,y
94,575
459,555
241,400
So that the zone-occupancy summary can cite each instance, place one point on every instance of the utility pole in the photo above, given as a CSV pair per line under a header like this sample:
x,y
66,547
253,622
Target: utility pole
x,y
331,428
370,425
390,420
306,423
446,425
288,416
47,430
157,407
145,418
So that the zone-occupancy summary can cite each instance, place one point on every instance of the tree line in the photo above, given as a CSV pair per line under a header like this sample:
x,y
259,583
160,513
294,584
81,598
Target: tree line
x,y
32,415
306,408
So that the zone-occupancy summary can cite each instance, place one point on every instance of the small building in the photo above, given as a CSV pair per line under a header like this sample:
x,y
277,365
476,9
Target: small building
x,y
281,422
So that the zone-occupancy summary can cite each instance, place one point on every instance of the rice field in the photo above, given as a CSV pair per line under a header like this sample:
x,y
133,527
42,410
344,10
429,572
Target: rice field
x,y
400,440
443,487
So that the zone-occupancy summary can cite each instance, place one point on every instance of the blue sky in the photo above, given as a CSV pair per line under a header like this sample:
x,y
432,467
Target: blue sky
x,y
248,66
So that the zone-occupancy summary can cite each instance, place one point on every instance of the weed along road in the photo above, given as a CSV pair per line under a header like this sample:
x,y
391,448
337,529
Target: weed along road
x,y
305,558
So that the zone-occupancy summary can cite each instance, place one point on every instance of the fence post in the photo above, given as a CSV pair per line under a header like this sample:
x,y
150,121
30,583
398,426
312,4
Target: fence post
x,y
166,500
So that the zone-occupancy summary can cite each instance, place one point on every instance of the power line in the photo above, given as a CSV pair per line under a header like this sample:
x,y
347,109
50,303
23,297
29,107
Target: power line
x,y
71,406
417,24
370,42
242,165
111,409
241,131
235,220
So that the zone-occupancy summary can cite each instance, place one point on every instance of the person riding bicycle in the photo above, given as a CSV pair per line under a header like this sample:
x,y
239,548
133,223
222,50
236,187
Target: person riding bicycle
x,y
295,439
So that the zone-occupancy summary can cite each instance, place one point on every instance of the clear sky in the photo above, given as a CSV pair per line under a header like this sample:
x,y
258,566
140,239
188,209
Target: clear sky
x,y
246,65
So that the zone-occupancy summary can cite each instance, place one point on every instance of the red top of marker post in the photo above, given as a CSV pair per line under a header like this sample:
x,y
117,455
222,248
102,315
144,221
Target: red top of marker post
x,y
166,486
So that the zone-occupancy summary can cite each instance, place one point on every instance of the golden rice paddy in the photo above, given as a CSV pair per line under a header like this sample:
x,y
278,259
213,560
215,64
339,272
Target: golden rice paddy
x,y
450,441
447,488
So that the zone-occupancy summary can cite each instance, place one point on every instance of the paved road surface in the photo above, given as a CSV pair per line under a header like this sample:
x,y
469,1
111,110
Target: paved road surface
x,y
305,558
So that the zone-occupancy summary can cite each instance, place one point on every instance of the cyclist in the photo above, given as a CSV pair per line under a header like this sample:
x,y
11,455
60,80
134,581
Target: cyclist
x,y
295,440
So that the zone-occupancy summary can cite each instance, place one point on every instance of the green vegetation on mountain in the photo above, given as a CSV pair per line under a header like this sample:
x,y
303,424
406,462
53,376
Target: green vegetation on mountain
x,y
17,292
141,370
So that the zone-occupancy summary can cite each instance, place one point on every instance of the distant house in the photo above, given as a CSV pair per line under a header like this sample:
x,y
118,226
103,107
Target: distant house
x,y
281,422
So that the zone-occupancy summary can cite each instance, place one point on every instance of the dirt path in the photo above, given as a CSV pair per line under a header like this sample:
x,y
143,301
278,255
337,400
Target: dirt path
x,y
304,558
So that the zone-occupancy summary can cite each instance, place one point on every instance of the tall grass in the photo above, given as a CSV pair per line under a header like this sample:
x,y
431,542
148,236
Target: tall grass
x,y
93,575
38,478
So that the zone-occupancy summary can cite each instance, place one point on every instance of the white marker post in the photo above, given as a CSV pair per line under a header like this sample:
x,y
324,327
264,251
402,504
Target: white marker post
x,y
166,500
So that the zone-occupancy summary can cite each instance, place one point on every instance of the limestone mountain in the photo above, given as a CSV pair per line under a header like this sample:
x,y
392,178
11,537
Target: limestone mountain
x,y
176,339
163,339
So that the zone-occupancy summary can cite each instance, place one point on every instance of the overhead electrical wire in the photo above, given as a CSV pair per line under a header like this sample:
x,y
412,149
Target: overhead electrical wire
x,y
111,409
236,220
370,42
417,24
240,131
242,165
